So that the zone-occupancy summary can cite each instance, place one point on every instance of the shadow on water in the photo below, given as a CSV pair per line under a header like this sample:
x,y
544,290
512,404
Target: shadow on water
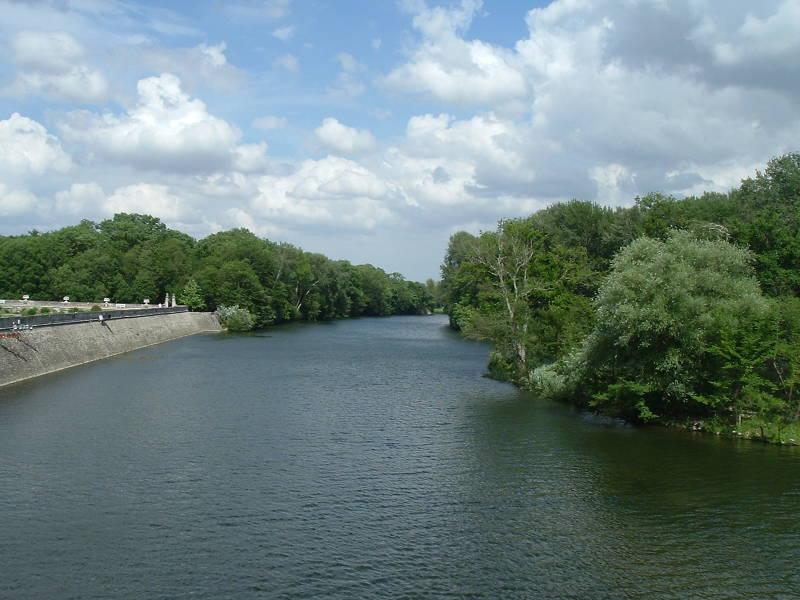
x,y
655,512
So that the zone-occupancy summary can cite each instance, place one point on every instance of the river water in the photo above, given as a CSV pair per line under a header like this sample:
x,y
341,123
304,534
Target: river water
x,y
369,459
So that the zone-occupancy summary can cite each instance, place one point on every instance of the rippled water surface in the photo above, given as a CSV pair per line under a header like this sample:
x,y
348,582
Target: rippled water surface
x,y
369,459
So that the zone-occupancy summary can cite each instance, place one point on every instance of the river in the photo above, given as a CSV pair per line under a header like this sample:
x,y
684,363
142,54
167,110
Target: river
x,y
369,458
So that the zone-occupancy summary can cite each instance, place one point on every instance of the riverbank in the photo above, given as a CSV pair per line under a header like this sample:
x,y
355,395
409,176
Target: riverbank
x,y
33,352
766,432
756,430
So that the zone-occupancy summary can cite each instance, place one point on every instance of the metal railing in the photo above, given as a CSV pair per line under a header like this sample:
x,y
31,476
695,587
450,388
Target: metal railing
x,y
32,321
57,304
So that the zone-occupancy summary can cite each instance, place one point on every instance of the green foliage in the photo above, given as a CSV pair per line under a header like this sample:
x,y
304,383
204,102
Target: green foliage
x,y
461,316
785,362
131,257
669,310
126,231
737,358
501,367
234,318
577,224
191,296
625,398
660,311
95,308
520,289
769,206
435,290
44,310
29,311
461,277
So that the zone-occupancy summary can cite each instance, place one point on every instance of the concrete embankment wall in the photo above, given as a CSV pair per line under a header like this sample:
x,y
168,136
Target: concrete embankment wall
x,y
30,353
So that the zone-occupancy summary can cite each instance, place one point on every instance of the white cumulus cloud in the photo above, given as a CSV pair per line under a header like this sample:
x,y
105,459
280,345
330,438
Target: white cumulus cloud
x,y
52,64
27,148
147,198
80,199
334,192
250,158
287,61
348,82
340,138
606,100
203,64
166,130
15,201
284,33
451,69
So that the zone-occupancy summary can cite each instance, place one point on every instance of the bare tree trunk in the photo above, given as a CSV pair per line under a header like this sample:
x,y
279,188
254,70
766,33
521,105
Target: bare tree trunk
x,y
302,298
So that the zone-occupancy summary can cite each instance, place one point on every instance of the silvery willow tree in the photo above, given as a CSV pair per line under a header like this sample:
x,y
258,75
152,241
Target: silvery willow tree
x,y
672,319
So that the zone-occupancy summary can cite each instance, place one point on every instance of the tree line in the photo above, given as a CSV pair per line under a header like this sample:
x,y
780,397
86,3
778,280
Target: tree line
x,y
672,310
132,257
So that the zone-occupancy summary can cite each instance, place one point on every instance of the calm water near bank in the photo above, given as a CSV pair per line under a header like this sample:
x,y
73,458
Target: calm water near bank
x,y
369,459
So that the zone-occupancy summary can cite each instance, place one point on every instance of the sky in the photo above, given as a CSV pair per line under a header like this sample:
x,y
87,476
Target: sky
x,y
371,131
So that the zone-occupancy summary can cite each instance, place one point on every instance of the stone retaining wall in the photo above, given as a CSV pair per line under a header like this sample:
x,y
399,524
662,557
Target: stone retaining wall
x,y
30,353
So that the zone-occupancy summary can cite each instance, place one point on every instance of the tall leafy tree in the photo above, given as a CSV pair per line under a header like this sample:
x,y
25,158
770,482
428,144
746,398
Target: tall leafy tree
x,y
192,296
659,313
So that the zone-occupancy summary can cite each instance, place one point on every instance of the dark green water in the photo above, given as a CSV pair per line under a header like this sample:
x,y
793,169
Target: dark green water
x,y
369,459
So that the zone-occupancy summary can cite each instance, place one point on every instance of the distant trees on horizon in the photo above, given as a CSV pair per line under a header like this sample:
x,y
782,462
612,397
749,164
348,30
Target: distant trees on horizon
x,y
133,256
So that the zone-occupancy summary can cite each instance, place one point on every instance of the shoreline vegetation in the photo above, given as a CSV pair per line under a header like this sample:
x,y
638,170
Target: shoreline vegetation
x,y
678,312
252,282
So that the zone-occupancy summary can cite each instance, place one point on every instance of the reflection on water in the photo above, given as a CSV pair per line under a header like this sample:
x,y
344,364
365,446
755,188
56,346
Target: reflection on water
x,y
369,458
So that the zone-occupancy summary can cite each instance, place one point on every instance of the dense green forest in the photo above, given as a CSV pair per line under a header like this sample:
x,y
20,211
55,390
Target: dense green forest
x,y
132,257
672,311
